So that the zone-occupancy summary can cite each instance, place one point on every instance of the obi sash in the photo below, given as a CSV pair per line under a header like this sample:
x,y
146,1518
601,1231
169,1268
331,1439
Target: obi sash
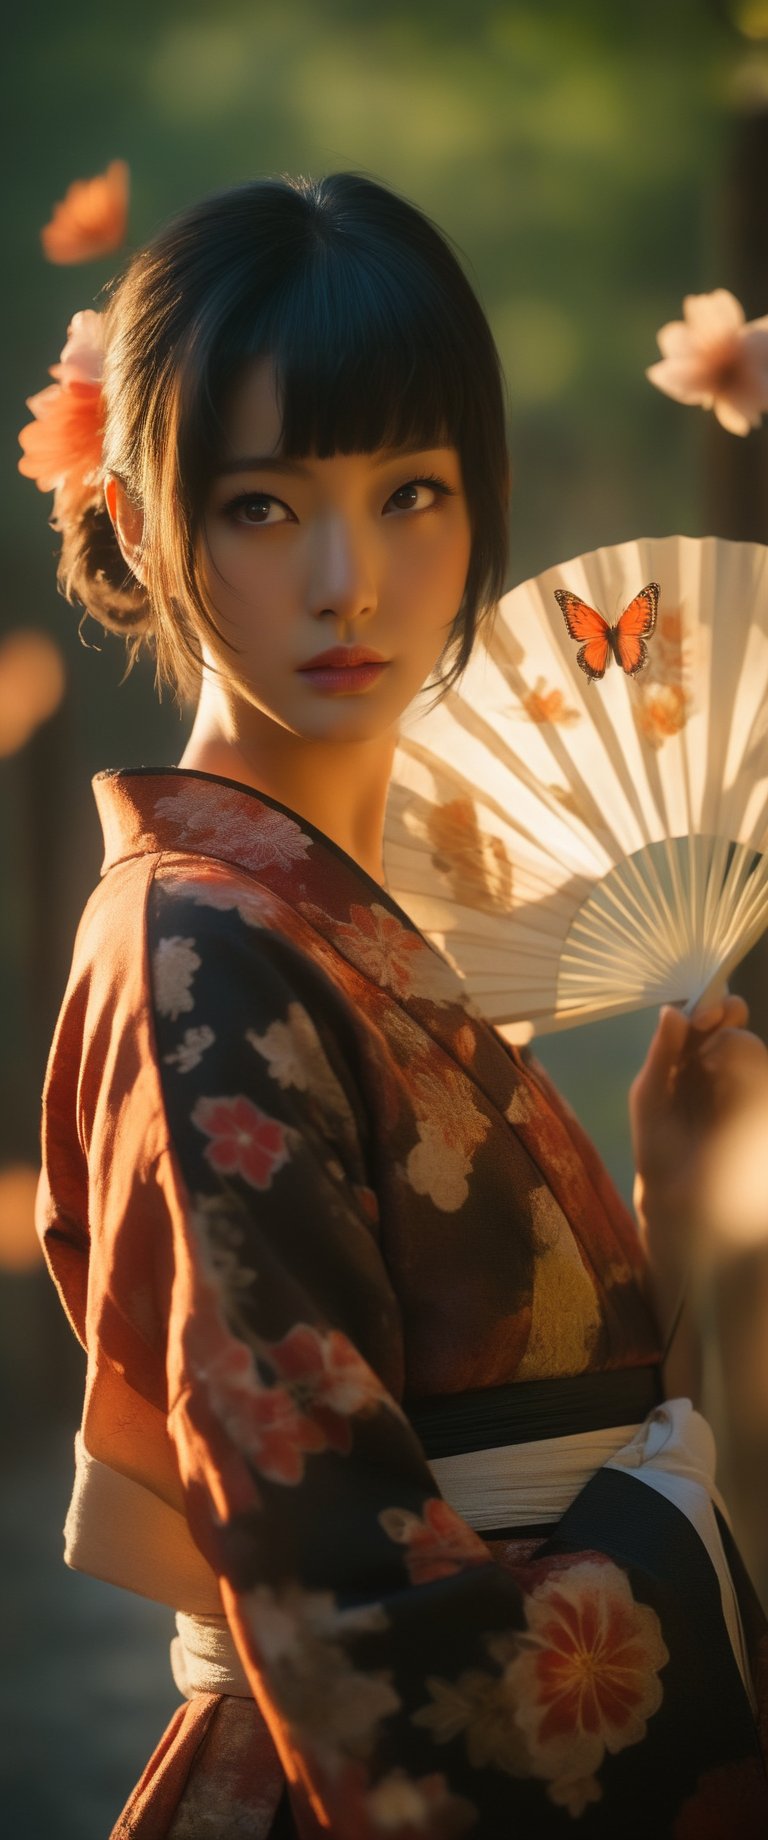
x,y
119,1530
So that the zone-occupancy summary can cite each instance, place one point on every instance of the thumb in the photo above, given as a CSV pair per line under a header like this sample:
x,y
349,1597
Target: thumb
x,y
664,1053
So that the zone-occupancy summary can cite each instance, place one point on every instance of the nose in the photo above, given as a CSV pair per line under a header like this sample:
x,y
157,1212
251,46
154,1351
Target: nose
x,y
343,573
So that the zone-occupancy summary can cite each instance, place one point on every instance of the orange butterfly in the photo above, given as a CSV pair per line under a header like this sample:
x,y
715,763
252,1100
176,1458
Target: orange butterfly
x,y
626,640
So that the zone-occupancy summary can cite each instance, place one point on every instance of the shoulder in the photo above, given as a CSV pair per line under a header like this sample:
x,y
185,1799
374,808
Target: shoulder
x,y
228,956
234,926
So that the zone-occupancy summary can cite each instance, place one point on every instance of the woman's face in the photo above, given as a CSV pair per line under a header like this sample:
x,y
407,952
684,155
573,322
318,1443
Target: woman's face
x,y
301,557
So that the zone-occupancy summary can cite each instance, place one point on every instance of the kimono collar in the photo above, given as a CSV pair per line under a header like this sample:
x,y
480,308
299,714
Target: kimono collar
x,y
148,811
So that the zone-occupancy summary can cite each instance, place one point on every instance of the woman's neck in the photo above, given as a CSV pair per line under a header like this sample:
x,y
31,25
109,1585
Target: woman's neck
x,y
340,788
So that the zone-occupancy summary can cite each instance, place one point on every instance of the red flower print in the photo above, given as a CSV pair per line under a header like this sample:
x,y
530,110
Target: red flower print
x,y
438,1544
278,1435
327,1380
244,1140
380,946
587,1674
321,1381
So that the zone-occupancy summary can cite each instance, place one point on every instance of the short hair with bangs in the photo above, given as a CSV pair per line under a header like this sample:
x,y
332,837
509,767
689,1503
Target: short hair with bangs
x,y
377,339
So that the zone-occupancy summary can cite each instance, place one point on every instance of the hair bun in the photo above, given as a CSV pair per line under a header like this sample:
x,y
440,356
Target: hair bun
x,y
93,574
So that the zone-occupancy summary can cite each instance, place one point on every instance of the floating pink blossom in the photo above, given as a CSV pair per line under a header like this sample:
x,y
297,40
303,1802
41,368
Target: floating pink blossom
x,y
91,219
715,358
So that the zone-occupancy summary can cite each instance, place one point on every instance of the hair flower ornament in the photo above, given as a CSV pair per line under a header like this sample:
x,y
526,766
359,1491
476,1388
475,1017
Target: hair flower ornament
x,y
715,358
63,445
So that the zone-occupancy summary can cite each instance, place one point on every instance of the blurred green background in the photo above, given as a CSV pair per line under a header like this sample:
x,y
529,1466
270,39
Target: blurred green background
x,y
594,163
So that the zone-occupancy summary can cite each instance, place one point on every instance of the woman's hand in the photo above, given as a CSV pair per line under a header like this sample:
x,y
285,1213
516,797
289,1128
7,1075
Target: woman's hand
x,y
699,1118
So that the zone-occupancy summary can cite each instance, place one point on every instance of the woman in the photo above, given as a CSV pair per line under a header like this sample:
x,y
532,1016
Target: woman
x,y
374,1389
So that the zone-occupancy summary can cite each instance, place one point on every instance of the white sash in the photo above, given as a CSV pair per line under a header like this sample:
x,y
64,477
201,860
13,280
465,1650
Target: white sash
x,y
119,1530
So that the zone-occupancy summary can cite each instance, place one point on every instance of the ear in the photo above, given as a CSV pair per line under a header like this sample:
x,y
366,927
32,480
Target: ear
x,y
128,521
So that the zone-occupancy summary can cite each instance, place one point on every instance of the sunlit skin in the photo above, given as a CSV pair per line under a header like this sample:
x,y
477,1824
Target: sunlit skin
x,y
300,556
351,550
703,1083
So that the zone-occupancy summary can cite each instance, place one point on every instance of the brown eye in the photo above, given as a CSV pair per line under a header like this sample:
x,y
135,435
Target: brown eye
x,y
420,494
257,508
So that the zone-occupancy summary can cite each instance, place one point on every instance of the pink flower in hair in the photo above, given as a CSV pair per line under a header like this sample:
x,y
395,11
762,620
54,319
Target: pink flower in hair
x,y
82,360
91,219
63,445
713,357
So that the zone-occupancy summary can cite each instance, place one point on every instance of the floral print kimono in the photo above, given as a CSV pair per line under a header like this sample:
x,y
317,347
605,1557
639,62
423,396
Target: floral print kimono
x,y
304,1207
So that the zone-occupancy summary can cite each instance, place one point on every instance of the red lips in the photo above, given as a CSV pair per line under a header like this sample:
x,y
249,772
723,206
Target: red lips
x,y
340,656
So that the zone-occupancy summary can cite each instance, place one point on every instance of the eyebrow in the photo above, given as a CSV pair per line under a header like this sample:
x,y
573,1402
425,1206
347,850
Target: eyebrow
x,y
275,463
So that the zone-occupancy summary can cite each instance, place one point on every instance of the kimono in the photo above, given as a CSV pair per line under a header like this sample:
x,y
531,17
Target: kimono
x,y
321,1231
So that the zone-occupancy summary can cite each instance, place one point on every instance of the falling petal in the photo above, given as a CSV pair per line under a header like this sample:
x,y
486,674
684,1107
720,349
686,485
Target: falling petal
x,y
715,359
91,219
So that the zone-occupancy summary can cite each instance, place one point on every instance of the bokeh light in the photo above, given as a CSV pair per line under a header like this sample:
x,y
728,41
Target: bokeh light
x,y
20,1248
32,684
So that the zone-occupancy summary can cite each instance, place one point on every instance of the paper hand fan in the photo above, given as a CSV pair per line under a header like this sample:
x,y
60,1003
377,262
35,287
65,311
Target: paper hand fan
x,y
582,844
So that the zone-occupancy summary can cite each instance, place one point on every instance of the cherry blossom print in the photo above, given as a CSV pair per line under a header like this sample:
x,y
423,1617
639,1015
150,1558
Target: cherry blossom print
x,y
521,1108
437,1543
255,835
411,1808
220,1229
174,964
401,1806
265,1425
191,1049
215,886
326,1375
661,710
480,1708
476,863
245,1141
714,358
295,1058
450,1130
389,954
586,1678
542,704
288,1046
320,1382
91,219
264,1422
332,1709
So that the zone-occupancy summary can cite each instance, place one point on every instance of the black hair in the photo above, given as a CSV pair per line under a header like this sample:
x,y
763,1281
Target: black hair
x,y
377,337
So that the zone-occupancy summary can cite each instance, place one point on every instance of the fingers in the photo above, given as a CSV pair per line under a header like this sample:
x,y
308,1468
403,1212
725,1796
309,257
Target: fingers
x,y
733,1049
663,1054
693,1059
730,1012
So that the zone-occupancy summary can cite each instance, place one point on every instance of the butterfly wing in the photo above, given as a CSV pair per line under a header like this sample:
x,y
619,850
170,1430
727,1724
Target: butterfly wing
x,y
584,622
635,626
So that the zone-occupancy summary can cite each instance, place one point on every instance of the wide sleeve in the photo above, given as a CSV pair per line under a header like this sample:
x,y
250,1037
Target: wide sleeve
x,y
378,1633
